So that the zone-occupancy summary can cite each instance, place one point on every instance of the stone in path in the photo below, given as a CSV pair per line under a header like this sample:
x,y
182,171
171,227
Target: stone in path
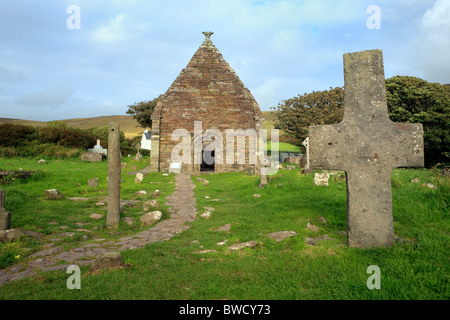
x,y
367,145
150,218
107,261
182,202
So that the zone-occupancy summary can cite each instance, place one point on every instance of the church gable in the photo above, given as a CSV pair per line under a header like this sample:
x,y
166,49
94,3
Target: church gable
x,y
207,90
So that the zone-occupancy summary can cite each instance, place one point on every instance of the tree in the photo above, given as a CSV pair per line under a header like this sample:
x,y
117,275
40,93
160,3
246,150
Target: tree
x,y
56,124
142,112
295,115
414,100
409,100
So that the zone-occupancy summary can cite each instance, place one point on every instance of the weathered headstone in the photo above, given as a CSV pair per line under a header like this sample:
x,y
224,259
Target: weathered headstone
x,y
98,149
93,183
139,177
114,170
263,180
321,178
368,146
91,157
5,216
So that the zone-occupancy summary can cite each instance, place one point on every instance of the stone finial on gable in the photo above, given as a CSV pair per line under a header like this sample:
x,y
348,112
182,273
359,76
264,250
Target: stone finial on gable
x,y
208,35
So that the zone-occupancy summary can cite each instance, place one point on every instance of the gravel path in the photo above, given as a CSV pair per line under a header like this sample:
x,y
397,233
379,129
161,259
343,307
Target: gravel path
x,y
182,203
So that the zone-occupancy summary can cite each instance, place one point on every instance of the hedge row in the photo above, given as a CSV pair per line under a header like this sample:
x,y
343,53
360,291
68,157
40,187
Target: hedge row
x,y
52,141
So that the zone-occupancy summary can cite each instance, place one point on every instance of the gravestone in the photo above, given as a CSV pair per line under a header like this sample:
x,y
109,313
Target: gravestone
x,y
138,154
263,180
114,170
139,177
321,178
98,149
305,143
5,216
367,145
92,183
91,157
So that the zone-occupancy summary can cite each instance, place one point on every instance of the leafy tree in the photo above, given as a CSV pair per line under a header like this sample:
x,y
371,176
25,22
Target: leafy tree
x,y
409,99
142,112
295,115
102,133
56,124
414,100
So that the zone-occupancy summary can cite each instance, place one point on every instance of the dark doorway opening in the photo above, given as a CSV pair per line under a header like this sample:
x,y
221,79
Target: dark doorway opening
x,y
207,155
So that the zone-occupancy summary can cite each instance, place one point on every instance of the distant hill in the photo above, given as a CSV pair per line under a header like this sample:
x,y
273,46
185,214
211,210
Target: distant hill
x,y
127,124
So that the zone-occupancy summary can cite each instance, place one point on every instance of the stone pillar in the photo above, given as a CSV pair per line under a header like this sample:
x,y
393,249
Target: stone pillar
x,y
263,180
154,153
5,216
114,170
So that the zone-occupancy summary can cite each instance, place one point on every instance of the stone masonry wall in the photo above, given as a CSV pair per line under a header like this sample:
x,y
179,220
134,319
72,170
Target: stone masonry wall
x,y
207,90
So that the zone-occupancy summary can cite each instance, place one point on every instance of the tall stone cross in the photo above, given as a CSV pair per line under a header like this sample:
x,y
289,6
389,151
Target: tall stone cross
x,y
367,145
114,171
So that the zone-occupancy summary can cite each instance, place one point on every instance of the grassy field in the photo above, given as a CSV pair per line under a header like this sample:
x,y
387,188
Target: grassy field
x,y
415,268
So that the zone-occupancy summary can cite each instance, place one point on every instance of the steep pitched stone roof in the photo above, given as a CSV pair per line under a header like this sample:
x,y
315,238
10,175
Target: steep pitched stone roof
x,y
207,87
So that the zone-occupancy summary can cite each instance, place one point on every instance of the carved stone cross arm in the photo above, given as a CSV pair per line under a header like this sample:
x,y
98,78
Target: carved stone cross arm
x,y
367,145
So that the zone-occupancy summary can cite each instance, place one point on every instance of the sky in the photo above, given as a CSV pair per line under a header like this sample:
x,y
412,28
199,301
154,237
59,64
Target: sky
x,y
78,58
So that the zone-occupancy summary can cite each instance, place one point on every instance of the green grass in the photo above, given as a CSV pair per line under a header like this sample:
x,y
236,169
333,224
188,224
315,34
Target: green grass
x,y
32,211
288,270
283,147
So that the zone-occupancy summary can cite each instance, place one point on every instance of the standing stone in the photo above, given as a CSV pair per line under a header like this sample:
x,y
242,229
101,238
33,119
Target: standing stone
x,y
138,156
150,218
5,216
263,180
114,170
368,146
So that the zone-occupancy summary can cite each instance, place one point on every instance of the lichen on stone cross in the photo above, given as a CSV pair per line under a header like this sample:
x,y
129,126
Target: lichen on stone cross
x,y
367,145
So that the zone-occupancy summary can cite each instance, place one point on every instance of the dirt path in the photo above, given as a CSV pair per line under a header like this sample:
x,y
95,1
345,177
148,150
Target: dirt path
x,y
182,203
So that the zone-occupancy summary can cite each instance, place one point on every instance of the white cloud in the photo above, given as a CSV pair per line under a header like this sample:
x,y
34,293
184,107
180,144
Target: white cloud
x,y
267,94
8,75
433,43
52,96
119,28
